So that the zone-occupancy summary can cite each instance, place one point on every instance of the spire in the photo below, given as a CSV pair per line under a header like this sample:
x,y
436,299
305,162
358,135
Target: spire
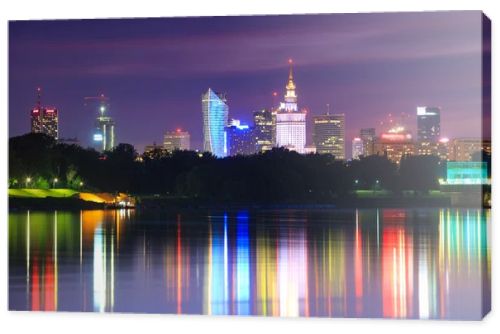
x,y
290,85
39,97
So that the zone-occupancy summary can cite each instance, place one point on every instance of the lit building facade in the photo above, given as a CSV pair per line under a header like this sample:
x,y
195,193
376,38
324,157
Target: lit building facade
x,y
394,144
290,122
357,148
462,149
104,135
368,137
177,140
44,120
215,117
329,135
428,124
467,172
264,130
240,139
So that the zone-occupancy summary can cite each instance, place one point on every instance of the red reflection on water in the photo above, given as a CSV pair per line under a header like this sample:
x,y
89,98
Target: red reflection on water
x,y
397,268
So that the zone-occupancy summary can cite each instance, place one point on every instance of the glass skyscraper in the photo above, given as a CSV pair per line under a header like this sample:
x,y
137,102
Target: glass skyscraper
x,y
428,124
215,116
104,136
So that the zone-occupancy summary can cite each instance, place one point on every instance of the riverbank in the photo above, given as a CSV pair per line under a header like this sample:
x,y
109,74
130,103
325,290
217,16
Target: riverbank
x,y
59,199
65,199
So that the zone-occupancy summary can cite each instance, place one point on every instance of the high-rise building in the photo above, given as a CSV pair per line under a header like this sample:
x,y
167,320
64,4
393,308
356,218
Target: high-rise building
x,y
215,116
104,135
264,129
240,139
329,134
428,124
290,122
44,119
368,137
357,148
176,140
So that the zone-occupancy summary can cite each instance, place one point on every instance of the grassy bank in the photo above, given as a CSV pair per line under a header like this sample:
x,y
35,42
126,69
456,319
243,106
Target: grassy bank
x,y
42,193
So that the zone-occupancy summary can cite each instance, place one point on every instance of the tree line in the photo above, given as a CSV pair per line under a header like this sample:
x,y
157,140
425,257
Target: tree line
x,y
37,160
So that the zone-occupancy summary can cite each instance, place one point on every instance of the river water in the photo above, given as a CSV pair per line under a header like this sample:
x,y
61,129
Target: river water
x,y
390,263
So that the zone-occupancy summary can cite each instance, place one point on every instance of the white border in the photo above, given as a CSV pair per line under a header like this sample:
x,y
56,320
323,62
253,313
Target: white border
x,y
21,322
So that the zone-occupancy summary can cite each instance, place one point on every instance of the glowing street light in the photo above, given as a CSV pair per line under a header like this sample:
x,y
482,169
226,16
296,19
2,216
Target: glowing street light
x,y
28,180
54,182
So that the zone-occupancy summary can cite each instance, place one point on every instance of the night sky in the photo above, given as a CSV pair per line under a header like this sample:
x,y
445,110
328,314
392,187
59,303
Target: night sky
x,y
155,70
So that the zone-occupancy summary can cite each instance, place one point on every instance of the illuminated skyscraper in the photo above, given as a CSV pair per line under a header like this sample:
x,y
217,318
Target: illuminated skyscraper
x,y
104,135
290,122
240,139
368,136
44,120
264,130
329,134
428,124
357,148
177,140
215,116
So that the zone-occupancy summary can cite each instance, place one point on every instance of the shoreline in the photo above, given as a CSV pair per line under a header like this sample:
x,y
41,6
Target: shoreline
x,y
153,204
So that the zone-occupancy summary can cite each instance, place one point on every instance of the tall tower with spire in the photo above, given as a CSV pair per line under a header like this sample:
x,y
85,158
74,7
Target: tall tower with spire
x,y
290,121
290,103
44,119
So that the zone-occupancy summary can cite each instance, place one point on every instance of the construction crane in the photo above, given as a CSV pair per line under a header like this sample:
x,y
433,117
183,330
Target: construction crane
x,y
101,98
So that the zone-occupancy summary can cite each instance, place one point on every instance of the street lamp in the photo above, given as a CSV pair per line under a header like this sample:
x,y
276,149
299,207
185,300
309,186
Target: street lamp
x,y
54,182
28,180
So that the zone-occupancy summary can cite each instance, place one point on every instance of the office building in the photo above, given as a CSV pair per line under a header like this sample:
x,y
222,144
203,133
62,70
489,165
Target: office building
x,y
240,139
357,148
463,149
290,122
177,140
44,119
215,119
395,144
428,124
264,130
329,134
368,137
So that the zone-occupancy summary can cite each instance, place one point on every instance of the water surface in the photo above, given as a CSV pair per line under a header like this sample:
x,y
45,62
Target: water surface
x,y
391,263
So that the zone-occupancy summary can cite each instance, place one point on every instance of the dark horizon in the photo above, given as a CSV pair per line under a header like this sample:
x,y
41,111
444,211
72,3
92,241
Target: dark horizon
x,y
154,70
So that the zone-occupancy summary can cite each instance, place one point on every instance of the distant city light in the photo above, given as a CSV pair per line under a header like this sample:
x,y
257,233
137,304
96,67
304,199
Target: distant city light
x,y
394,137
444,140
98,137
103,109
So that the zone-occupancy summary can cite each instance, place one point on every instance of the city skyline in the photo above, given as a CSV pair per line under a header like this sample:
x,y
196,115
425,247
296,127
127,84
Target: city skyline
x,y
150,79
